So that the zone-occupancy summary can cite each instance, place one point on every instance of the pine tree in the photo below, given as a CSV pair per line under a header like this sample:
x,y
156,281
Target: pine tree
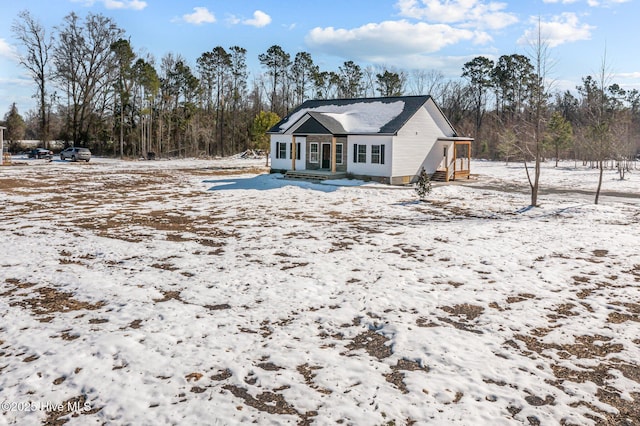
x,y
423,186
16,126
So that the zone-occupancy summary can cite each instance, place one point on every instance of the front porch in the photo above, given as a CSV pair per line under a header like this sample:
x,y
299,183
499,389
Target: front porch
x,y
315,175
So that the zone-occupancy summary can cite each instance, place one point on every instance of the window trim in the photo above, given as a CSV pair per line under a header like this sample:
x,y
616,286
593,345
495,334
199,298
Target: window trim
x,y
377,158
313,154
359,153
280,154
339,154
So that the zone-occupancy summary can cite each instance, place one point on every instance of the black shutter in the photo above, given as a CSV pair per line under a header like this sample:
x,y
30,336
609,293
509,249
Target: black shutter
x,y
355,152
381,154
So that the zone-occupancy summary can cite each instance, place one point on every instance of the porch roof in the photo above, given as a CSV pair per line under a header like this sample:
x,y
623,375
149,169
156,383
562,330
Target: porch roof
x,y
317,123
456,139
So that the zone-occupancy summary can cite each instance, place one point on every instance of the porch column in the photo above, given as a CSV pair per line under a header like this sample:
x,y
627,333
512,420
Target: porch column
x,y
455,158
293,153
333,154
469,160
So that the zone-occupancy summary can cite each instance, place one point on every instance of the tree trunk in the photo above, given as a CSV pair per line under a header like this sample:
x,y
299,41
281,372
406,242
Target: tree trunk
x,y
601,164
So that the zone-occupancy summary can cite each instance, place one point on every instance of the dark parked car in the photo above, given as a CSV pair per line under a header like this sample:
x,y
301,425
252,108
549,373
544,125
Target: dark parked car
x,y
75,153
40,153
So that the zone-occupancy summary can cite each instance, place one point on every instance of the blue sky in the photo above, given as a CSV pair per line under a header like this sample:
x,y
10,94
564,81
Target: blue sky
x,y
405,34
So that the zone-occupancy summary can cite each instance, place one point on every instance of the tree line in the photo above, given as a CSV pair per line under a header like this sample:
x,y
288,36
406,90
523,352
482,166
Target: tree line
x,y
94,90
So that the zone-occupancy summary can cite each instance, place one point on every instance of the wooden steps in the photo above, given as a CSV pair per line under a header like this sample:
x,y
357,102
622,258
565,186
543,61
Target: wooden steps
x,y
439,176
313,175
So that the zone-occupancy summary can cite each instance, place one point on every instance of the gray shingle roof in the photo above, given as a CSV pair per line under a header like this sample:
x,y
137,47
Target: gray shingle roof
x,y
356,116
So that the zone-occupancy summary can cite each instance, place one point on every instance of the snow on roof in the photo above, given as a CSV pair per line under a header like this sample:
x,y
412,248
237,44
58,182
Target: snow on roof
x,y
364,117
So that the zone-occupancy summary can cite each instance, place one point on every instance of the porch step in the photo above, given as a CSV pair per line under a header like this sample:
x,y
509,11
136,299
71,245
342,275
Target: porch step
x,y
310,175
439,176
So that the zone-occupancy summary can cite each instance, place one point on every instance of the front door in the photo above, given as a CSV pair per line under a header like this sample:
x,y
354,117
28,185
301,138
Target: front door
x,y
326,156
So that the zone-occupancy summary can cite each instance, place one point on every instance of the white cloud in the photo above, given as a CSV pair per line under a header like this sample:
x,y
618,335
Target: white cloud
x,y
389,39
629,75
592,3
259,20
477,13
560,1
232,20
201,15
116,4
126,4
8,51
564,28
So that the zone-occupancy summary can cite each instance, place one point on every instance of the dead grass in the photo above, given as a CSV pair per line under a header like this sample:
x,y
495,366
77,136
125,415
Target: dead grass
x,y
270,402
470,312
375,344
589,358
397,375
47,300
307,372
57,418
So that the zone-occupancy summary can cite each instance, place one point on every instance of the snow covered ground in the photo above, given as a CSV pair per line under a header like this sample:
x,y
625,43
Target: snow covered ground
x,y
209,292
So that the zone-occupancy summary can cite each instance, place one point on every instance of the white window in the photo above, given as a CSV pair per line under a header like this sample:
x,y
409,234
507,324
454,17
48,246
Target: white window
x,y
359,153
339,153
377,154
313,152
281,150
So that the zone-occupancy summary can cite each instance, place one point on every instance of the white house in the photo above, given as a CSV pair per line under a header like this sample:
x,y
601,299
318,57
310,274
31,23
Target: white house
x,y
384,139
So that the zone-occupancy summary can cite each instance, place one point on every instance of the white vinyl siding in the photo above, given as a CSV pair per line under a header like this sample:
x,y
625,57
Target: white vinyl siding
x,y
368,168
280,152
416,145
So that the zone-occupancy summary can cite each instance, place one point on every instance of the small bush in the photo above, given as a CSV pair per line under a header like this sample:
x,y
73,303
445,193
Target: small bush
x,y
423,185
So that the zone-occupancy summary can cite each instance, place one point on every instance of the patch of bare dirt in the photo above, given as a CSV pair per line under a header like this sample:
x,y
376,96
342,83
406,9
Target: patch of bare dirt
x,y
627,412
270,402
471,312
75,406
373,343
169,295
633,314
47,300
222,375
520,297
307,371
269,366
219,307
397,375
592,347
587,347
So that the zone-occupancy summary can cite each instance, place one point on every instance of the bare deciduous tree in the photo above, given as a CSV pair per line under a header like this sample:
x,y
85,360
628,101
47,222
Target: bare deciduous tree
x,y
37,43
85,70
539,97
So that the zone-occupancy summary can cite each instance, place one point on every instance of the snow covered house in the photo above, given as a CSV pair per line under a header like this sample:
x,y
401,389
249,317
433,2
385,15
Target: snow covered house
x,y
383,139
